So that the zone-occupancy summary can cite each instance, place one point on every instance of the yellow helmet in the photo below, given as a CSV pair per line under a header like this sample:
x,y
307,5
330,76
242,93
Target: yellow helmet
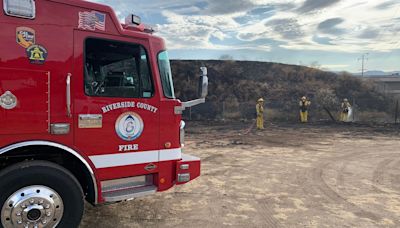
x,y
260,100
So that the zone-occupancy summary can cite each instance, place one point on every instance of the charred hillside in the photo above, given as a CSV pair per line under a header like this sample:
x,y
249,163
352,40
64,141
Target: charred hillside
x,y
236,85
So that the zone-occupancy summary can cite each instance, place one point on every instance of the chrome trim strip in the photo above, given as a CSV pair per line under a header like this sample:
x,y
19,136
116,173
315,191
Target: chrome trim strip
x,y
56,145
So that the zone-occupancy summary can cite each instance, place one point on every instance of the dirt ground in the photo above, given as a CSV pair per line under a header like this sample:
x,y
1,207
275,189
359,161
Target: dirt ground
x,y
289,175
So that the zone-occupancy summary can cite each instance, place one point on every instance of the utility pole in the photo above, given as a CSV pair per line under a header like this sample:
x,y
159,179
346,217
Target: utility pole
x,y
363,59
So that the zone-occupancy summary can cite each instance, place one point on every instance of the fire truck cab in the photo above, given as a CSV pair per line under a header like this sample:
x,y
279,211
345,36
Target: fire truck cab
x,y
87,111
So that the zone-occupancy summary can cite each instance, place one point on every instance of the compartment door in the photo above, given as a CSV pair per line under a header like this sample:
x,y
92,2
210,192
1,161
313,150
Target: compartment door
x,y
24,101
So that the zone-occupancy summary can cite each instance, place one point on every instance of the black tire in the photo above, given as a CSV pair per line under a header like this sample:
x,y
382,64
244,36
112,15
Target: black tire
x,y
48,174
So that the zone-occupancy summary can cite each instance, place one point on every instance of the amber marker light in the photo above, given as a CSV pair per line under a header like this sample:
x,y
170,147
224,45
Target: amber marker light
x,y
162,180
167,145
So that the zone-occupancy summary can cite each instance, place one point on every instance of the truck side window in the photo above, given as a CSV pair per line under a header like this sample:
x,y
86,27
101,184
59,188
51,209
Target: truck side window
x,y
116,69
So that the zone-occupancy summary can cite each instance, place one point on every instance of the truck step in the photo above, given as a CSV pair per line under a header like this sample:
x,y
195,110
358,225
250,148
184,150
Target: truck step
x,y
129,193
127,188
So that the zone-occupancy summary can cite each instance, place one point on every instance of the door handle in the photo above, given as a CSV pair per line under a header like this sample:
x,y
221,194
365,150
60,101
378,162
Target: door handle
x,y
68,94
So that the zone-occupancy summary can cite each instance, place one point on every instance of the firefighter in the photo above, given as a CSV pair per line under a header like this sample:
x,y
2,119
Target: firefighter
x,y
304,104
260,114
345,107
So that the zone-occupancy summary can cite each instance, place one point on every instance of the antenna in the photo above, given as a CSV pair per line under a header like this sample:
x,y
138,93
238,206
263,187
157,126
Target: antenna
x,y
363,58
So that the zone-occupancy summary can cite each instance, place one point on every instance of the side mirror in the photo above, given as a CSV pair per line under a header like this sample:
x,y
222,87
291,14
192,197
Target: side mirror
x,y
203,83
202,93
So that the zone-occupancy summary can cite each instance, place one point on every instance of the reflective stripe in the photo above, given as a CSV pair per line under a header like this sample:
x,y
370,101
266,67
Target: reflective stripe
x,y
134,158
170,154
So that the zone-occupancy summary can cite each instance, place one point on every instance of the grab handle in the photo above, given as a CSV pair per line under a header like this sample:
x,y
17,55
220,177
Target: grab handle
x,y
68,93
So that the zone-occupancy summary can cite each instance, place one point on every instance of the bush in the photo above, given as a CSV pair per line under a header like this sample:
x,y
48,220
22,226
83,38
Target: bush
x,y
235,86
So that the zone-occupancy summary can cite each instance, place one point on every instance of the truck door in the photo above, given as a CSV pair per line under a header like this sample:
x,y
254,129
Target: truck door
x,y
116,118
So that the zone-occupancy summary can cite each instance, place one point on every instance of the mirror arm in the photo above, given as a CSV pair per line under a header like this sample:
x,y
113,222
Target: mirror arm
x,y
203,90
192,103
188,104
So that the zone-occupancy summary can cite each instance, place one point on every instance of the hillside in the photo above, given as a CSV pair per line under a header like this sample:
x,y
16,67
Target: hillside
x,y
236,85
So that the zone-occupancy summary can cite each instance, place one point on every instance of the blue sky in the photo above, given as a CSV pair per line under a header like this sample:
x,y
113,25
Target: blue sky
x,y
331,34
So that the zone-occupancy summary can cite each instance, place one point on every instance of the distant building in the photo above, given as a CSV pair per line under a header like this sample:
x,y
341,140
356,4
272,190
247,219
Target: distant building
x,y
389,85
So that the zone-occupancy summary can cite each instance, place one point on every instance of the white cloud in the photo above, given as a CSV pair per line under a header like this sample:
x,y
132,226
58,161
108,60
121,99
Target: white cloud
x,y
351,26
190,32
334,66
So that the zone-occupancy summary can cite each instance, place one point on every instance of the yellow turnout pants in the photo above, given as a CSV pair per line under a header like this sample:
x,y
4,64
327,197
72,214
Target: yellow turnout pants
x,y
344,116
304,116
260,122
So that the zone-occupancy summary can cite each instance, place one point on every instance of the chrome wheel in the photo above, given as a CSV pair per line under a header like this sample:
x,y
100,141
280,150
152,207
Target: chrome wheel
x,y
32,207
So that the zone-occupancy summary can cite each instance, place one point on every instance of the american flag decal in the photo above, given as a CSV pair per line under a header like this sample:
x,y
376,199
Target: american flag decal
x,y
92,20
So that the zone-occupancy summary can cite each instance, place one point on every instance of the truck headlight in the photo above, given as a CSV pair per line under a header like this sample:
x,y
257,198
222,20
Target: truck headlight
x,y
182,133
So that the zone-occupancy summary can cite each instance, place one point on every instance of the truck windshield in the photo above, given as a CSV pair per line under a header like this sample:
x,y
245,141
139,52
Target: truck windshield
x,y
165,74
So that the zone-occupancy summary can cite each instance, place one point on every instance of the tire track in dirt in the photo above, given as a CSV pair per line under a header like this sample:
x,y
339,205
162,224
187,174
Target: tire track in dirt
x,y
340,175
335,197
264,213
378,176
395,178
262,205
267,213
316,183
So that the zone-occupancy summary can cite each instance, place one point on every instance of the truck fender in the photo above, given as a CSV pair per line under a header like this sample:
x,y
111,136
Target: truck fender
x,y
58,146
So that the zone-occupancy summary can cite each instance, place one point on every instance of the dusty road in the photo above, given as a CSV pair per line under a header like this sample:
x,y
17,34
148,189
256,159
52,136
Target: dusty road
x,y
286,176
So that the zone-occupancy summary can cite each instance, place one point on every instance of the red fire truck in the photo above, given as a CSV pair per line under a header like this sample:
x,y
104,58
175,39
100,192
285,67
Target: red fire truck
x,y
87,111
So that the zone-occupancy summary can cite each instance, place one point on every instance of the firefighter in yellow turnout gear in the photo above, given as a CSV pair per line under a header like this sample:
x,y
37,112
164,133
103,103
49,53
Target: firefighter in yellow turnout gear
x,y
304,104
344,114
260,114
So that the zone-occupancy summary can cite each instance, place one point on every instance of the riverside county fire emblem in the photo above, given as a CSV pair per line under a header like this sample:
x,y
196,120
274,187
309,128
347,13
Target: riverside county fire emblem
x,y
25,36
36,54
129,126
